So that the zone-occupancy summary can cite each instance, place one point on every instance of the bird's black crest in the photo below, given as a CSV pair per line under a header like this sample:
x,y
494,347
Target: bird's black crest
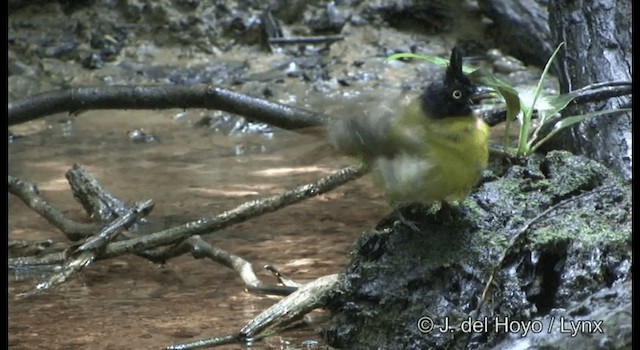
x,y
454,70
451,96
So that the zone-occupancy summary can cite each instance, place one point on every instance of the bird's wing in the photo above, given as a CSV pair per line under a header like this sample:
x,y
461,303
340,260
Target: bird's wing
x,y
367,126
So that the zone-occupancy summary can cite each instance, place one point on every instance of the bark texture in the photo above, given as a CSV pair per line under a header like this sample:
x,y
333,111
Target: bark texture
x,y
598,48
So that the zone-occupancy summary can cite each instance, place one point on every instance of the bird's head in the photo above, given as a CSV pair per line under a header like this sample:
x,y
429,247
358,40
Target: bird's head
x,y
451,96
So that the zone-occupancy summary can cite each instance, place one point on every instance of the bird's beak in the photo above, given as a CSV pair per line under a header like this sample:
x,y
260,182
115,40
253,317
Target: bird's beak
x,y
482,94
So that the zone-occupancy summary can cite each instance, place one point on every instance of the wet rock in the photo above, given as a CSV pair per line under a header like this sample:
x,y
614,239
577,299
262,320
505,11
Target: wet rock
x,y
141,136
246,26
520,26
504,64
433,16
62,49
215,72
228,124
109,45
327,19
188,5
57,41
93,61
602,321
572,218
289,11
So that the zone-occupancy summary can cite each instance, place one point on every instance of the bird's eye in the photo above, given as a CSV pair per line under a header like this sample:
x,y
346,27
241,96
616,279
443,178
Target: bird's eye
x,y
457,94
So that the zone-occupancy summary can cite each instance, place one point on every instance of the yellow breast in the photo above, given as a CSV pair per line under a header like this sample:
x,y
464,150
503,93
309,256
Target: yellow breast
x,y
439,160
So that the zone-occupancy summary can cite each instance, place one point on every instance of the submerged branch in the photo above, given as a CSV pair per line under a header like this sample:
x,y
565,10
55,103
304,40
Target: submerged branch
x,y
308,297
199,248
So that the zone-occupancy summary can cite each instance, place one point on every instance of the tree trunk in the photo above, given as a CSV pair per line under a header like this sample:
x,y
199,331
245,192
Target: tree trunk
x,y
598,48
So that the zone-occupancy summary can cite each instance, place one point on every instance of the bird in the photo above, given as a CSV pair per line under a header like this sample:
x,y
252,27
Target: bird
x,y
431,148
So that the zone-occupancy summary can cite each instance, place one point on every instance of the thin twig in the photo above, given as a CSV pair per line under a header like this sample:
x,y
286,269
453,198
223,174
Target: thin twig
x,y
294,306
305,40
286,281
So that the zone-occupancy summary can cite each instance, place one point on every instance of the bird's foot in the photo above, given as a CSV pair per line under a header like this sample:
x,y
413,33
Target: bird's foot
x,y
404,221
407,213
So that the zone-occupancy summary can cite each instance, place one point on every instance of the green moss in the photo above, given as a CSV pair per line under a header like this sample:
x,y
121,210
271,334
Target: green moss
x,y
573,221
581,225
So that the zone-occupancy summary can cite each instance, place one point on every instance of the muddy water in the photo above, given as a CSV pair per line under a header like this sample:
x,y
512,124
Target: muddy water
x,y
130,303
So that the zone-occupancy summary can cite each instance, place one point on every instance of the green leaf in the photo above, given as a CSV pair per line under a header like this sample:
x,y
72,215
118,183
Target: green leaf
x,y
524,144
509,94
442,62
433,59
574,119
554,105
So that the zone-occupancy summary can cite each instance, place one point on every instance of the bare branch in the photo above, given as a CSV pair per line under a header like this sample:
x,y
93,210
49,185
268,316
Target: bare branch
x,y
74,100
110,232
305,40
202,249
98,203
243,212
287,310
29,194
86,253
602,91
184,238
51,259
27,248
294,306
209,342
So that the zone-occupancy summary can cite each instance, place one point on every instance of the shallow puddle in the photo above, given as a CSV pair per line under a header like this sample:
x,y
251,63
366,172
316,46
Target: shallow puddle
x,y
130,303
